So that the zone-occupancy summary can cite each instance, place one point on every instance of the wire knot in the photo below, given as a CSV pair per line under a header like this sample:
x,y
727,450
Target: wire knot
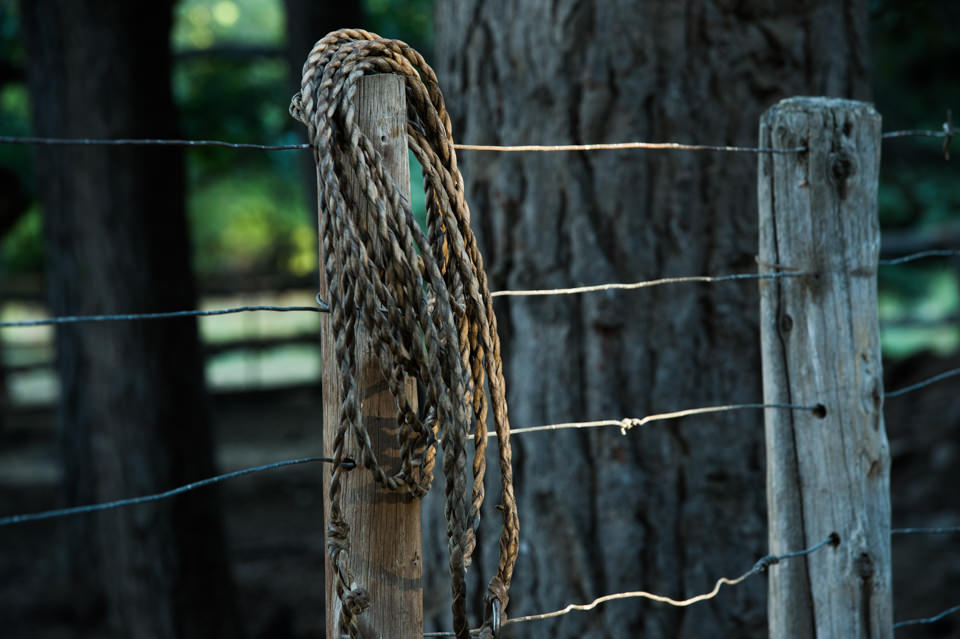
x,y
765,562
338,540
356,601
628,423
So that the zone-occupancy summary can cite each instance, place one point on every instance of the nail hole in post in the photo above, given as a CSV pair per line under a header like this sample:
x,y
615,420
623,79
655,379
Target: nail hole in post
x,y
820,411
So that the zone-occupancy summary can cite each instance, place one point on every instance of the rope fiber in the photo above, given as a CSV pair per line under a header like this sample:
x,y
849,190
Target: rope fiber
x,y
421,297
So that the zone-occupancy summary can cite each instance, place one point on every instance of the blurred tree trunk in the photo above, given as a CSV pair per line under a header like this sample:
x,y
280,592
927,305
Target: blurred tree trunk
x,y
132,415
308,21
672,506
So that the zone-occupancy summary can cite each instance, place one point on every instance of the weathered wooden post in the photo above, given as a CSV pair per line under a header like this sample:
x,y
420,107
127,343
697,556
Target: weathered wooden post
x,y
385,526
827,469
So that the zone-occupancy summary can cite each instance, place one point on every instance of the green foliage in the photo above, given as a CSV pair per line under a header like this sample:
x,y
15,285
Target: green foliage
x,y
202,23
248,210
407,20
251,221
21,249
913,47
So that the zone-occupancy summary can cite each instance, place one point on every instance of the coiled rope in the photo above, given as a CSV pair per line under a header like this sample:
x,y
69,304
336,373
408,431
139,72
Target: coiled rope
x,y
422,298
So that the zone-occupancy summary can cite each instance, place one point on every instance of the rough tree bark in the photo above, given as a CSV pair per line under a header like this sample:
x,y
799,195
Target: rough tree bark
x,y
132,413
672,506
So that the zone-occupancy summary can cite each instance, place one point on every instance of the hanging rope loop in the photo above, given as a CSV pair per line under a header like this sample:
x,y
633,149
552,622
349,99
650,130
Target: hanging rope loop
x,y
422,297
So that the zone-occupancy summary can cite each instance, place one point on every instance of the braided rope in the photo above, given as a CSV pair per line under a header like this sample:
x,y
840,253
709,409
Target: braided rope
x,y
429,313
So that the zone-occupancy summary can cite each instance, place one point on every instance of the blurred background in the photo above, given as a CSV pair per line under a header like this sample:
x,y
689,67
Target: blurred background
x,y
251,221
252,216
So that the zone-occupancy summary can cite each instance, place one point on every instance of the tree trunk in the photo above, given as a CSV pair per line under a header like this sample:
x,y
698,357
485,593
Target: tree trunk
x,y
132,414
308,21
670,507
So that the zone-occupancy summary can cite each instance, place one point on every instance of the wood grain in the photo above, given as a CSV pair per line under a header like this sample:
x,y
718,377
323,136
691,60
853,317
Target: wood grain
x,y
385,555
827,469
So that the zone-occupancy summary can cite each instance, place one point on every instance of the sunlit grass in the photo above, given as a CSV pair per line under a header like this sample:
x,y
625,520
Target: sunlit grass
x,y
912,315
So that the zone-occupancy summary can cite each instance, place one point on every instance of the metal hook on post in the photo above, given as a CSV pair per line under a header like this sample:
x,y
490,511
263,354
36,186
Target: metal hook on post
x,y
495,617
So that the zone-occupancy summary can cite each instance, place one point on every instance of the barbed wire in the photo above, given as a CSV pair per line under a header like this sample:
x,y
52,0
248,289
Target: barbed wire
x,y
324,307
625,425
645,284
920,255
937,617
77,510
614,146
79,319
39,141
604,146
631,422
923,384
942,530
761,565
923,133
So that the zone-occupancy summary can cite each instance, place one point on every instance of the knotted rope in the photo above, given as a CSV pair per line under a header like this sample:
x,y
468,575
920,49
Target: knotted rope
x,y
422,298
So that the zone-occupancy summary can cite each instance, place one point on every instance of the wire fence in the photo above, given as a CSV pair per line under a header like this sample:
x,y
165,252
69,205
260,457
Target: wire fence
x,y
324,306
946,133
624,424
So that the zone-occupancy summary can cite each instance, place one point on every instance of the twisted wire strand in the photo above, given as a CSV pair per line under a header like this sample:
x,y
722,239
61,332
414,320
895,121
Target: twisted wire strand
x,y
942,530
919,256
761,565
925,620
422,298
434,186
78,510
923,384
629,286
669,146
615,146
81,319
629,423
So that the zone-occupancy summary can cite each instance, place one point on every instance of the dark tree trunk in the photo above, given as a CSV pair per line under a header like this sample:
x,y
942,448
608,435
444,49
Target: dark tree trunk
x,y
132,413
308,21
672,506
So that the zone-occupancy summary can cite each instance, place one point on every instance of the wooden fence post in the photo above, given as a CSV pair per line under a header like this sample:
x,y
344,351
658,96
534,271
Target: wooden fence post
x,y
385,526
828,469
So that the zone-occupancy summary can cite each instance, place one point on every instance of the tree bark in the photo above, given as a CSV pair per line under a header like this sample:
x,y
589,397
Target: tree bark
x,y
670,507
132,412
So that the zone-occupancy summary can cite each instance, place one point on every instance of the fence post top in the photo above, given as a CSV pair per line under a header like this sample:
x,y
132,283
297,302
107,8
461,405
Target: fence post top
x,y
819,103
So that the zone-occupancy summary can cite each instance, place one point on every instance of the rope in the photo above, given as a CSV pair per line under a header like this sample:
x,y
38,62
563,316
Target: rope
x,y
422,298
